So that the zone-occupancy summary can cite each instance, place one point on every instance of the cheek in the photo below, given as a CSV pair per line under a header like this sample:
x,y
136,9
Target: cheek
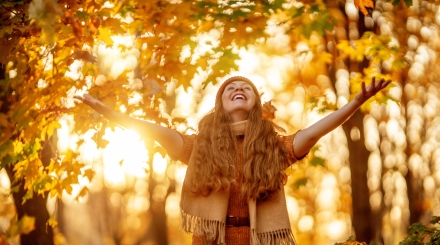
x,y
224,102
254,101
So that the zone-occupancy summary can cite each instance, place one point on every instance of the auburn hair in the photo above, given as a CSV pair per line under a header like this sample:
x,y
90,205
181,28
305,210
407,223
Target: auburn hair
x,y
264,156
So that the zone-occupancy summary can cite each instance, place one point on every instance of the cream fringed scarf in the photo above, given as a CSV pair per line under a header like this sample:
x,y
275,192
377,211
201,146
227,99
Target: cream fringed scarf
x,y
205,216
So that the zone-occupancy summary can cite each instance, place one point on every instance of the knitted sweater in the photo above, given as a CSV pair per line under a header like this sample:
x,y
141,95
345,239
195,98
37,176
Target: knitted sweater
x,y
236,205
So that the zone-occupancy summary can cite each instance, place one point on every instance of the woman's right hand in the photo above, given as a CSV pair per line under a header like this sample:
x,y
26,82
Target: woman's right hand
x,y
168,138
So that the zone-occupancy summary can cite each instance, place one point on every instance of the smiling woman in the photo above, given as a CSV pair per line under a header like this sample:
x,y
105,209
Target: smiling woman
x,y
233,189
238,98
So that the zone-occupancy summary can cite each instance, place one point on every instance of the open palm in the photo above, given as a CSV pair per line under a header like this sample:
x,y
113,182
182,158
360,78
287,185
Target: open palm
x,y
372,89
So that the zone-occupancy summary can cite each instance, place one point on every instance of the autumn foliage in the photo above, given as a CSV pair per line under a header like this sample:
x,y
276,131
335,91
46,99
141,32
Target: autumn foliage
x,y
51,50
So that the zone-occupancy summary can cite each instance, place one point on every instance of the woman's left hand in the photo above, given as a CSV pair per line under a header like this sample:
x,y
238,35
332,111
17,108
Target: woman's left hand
x,y
370,91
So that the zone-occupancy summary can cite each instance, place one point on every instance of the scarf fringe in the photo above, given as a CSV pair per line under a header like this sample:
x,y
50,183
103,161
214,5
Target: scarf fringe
x,y
210,230
279,237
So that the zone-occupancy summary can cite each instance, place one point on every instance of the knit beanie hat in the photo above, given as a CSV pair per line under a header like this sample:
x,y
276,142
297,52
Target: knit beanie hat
x,y
232,79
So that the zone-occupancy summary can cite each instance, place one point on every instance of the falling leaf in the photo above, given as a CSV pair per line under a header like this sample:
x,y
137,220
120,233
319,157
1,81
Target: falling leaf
x,y
300,182
317,161
269,111
89,173
84,191
52,222
365,6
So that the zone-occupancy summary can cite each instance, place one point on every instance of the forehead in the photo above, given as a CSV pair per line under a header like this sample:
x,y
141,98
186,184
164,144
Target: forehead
x,y
237,82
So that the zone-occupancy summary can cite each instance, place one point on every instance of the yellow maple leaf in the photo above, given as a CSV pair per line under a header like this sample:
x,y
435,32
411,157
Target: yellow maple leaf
x,y
365,6
105,36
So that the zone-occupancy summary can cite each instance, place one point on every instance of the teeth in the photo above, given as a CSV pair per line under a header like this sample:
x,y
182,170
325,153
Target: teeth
x,y
238,96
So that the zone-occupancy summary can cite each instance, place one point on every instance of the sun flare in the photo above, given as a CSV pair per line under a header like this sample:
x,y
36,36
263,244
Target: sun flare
x,y
125,155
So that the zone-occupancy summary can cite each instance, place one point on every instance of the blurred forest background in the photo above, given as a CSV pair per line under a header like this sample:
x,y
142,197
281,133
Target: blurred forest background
x,y
67,176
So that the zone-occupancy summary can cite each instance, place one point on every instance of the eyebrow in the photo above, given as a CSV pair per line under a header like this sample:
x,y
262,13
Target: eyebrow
x,y
234,83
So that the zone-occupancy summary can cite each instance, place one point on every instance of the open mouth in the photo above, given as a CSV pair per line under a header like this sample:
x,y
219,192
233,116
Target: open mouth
x,y
239,97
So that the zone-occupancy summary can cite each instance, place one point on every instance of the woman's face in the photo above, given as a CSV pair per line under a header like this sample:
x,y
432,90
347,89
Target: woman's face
x,y
238,99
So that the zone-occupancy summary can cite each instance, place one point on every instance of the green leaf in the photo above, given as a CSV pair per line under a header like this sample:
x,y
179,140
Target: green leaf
x,y
314,8
417,228
317,161
273,5
43,184
82,15
29,194
5,149
435,220
11,3
296,12
300,182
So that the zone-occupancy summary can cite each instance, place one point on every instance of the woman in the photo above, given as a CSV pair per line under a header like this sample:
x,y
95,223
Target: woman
x,y
233,189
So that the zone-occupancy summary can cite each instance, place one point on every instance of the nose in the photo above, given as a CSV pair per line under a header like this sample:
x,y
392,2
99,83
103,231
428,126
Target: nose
x,y
238,88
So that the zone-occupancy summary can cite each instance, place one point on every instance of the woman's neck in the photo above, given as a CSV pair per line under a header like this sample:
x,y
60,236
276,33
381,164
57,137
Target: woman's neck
x,y
239,128
238,116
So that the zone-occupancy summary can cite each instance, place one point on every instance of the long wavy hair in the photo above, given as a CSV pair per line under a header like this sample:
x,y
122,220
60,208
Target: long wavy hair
x,y
264,156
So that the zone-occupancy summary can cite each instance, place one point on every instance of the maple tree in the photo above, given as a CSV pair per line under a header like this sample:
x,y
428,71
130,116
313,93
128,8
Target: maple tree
x,y
45,40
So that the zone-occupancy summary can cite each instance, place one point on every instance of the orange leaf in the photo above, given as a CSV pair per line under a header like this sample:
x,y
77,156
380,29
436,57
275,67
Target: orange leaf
x,y
269,111
365,6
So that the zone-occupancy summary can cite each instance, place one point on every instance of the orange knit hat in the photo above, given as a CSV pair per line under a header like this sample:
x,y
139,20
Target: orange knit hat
x,y
232,79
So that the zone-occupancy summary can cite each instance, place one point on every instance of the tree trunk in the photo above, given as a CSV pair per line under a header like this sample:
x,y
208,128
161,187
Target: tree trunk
x,y
362,218
414,185
35,206
358,158
158,230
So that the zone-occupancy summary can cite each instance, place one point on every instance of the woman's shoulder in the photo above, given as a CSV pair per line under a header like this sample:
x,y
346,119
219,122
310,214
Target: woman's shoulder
x,y
188,145
288,142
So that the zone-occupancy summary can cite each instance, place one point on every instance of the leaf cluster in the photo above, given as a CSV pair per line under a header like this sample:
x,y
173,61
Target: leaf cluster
x,y
419,234
376,48
380,52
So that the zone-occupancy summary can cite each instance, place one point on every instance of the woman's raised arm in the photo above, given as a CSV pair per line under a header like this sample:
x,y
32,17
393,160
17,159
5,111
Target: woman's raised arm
x,y
307,138
167,138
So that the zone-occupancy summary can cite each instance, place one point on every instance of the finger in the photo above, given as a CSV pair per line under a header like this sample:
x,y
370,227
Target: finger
x,y
364,90
386,83
78,97
373,84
